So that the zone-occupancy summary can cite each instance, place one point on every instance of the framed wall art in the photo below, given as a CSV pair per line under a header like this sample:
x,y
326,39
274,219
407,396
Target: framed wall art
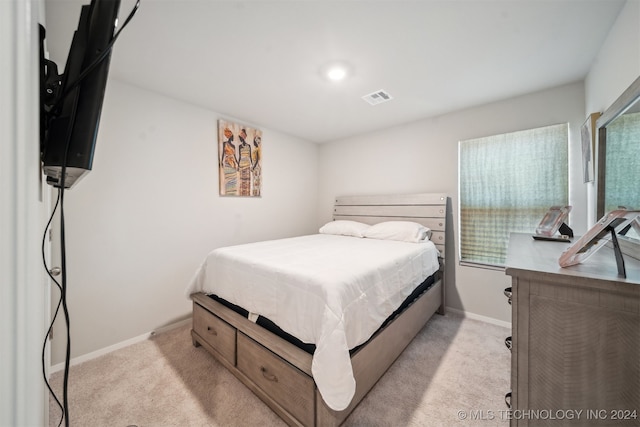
x,y
588,139
239,159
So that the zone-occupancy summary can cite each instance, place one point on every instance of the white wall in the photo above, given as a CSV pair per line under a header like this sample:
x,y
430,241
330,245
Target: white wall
x,y
617,65
141,221
422,157
145,217
23,287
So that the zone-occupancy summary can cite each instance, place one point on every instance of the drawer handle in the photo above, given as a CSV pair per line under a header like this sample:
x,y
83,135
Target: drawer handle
x,y
267,375
507,400
508,294
212,331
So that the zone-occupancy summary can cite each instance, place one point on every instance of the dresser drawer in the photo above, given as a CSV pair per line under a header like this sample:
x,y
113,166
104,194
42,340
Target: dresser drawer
x,y
216,332
284,383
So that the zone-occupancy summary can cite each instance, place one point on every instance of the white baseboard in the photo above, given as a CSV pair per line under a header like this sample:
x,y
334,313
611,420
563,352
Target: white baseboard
x,y
118,346
140,338
479,317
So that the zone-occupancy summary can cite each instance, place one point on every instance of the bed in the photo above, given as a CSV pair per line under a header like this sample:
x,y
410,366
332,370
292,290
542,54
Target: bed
x,y
310,340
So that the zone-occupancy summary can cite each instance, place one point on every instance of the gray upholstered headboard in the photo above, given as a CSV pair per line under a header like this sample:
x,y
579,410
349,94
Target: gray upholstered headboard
x,y
428,209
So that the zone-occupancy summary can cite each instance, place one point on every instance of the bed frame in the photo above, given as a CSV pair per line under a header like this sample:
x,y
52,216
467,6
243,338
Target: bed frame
x,y
277,371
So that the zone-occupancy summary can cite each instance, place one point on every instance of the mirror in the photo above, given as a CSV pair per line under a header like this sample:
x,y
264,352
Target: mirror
x,y
619,153
618,178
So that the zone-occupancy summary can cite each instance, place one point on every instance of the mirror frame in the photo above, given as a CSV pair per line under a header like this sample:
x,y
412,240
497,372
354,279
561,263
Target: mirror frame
x,y
628,98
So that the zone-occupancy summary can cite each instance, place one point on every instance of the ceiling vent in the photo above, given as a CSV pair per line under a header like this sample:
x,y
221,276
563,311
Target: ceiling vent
x,y
378,97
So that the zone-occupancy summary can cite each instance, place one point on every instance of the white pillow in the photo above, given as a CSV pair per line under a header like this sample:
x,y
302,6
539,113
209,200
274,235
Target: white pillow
x,y
344,228
406,231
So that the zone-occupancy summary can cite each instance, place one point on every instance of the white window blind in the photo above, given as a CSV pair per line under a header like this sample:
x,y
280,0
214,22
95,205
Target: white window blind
x,y
623,163
506,184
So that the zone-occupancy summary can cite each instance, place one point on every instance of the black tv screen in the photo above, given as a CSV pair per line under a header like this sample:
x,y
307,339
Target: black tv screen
x,y
72,103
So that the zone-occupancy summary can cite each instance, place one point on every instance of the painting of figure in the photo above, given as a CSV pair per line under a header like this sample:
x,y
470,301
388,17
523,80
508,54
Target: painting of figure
x,y
239,162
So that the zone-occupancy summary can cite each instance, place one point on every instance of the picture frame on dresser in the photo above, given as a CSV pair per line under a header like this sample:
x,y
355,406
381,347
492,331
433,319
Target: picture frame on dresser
x,y
552,221
617,221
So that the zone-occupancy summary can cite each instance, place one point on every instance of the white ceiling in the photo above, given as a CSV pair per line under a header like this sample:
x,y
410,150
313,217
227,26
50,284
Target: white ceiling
x,y
260,62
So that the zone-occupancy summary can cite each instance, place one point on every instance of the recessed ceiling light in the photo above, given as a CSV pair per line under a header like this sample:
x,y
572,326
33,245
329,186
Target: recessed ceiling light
x,y
337,73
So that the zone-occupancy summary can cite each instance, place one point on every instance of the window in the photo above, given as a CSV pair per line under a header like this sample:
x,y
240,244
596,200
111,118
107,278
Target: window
x,y
506,184
622,163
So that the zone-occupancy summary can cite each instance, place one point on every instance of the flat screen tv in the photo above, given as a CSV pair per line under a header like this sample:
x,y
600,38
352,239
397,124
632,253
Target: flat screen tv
x,y
72,102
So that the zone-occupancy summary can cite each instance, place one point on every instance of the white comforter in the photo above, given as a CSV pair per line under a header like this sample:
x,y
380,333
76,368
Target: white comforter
x,y
328,290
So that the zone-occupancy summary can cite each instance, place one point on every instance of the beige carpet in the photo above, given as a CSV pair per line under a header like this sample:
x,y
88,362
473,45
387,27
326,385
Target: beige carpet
x,y
455,368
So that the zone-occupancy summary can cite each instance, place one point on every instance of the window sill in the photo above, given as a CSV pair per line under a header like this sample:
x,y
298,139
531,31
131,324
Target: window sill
x,y
484,266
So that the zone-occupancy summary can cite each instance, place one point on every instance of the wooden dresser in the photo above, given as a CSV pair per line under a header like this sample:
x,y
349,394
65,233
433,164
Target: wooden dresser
x,y
575,338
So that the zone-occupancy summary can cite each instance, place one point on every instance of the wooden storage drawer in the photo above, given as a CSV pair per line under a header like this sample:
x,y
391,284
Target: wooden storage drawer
x,y
215,332
287,385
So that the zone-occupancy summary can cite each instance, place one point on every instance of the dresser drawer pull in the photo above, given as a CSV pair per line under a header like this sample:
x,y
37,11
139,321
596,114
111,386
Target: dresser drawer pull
x,y
212,331
267,375
507,400
507,342
507,293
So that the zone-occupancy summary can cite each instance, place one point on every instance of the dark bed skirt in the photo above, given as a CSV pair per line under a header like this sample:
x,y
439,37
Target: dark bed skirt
x,y
310,348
